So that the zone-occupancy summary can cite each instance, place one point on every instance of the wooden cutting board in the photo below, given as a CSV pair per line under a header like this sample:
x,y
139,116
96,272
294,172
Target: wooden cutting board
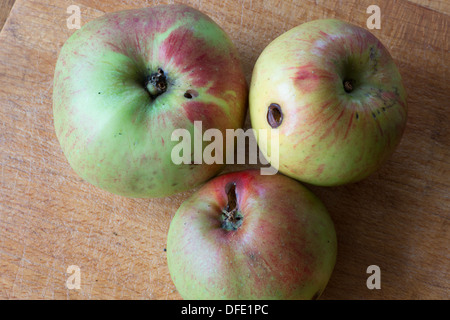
x,y
50,219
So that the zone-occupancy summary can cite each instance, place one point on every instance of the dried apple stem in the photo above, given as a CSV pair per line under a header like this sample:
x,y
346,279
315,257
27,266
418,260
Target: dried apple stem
x,y
231,216
156,83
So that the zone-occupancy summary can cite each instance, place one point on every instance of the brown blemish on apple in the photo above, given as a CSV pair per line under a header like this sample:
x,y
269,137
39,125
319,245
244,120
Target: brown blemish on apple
x,y
274,115
189,94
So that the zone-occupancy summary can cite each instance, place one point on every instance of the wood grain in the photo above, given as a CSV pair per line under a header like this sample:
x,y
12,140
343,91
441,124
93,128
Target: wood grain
x,y
5,8
397,219
442,6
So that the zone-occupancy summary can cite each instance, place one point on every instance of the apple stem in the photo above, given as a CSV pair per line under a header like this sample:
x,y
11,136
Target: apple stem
x,y
156,83
231,216
348,85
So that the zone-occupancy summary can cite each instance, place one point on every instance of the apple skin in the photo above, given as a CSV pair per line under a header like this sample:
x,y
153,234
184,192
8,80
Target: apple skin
x,y
115,134
328,136
285,247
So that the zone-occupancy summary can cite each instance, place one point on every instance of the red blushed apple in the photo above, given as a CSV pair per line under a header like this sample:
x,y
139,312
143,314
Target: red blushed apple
x,y
334,95
244,235
126,81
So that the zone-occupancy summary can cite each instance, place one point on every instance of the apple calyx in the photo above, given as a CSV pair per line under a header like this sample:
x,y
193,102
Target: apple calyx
x,y
348,85
274,115
231,216
156,83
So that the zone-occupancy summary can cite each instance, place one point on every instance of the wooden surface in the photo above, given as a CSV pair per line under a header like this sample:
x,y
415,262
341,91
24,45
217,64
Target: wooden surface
x,y
397,219
5,8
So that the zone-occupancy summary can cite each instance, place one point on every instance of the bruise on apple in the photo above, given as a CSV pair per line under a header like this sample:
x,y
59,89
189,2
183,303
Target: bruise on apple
x,y
213,71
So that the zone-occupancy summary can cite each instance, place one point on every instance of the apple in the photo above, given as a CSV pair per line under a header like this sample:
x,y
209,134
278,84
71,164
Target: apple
x,y
126,80
335,97
243,235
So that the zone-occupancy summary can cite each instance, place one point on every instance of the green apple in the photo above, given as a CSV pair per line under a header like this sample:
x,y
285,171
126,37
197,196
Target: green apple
x,y
244,235
334,95
126,81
